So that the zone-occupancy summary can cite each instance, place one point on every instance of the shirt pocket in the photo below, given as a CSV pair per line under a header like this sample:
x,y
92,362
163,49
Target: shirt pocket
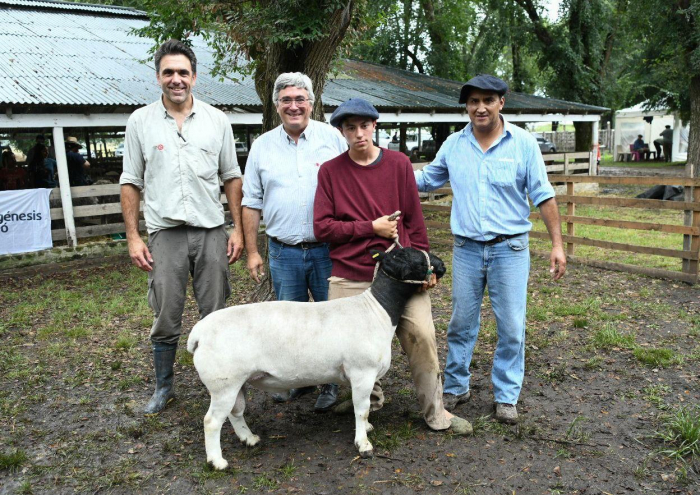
x,y
207,162
502,172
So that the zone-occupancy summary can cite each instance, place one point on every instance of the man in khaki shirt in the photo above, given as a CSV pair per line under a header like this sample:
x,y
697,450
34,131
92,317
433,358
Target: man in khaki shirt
x,y
175,151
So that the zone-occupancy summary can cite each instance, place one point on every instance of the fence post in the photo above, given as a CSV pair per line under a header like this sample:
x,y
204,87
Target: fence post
x,y
571,211
64,185
566,164
691,266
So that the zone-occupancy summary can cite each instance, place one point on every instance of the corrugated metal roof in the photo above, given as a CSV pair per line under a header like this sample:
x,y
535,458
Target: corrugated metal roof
x,y
62,53
86,7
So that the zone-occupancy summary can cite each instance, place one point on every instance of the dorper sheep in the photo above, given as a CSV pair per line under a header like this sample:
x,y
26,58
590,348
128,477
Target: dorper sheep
x,y
275,346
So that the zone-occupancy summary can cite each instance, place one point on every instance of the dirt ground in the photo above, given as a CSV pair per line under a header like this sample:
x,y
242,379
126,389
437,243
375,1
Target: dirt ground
x,y
72,382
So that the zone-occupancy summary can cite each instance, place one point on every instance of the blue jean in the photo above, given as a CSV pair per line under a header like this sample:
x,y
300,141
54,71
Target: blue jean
x,y
503,267
296,271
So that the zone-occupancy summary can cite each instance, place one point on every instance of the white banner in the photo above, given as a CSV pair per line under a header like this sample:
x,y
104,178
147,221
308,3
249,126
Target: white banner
x,y
25,221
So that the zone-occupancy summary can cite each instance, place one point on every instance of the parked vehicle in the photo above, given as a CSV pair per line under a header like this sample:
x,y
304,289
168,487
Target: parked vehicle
x,y
119,151
384,139
427,145
241,148
545,145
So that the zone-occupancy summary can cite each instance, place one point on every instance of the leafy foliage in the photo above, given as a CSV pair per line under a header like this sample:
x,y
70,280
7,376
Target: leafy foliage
x,y
671,56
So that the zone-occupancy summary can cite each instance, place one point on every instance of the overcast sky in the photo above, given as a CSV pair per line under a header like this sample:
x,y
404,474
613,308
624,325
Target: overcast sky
x,y
553,9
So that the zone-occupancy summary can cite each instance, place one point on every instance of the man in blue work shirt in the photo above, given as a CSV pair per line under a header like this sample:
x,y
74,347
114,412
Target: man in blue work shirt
x,y
492,166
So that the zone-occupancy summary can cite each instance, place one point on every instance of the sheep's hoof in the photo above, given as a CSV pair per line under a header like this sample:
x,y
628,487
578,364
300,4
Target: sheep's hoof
x,y
367,454
219,464
252,440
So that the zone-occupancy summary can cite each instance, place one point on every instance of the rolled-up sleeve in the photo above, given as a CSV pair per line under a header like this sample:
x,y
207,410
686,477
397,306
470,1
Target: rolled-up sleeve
x,y
538,187
252,183
133,163
228,161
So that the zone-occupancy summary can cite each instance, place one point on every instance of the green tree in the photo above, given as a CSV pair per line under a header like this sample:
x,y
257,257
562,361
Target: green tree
x,y
585,52
263,37
669,72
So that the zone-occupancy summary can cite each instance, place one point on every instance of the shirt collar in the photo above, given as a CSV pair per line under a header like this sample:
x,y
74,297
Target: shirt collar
x,y
306,134
468,131
164,111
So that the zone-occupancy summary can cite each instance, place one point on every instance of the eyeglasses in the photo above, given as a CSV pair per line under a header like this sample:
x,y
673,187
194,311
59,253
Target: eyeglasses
x,y
299,100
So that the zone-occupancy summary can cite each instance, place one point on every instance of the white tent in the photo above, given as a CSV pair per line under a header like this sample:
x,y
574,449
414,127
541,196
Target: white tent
x,y
629,123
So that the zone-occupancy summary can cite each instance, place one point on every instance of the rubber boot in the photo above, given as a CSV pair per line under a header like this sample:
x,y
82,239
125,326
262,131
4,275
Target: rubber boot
x,y
163,360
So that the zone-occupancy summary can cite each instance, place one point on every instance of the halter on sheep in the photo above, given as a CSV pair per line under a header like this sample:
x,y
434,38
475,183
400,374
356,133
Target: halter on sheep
x,y
275,346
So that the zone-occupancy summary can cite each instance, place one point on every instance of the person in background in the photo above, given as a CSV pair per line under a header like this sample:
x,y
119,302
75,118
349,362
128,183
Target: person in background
x,y
77,165
667,142
641,147
45,168
12,176
33,160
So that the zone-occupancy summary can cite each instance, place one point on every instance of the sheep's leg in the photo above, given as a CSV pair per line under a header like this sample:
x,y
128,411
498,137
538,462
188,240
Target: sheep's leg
x,y
220,406
361,390
238,421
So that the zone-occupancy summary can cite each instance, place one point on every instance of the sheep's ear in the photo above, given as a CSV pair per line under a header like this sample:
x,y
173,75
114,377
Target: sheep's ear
x,y
438,266
377,255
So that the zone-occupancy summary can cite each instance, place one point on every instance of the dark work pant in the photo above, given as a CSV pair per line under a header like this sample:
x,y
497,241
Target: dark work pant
x,y
178,253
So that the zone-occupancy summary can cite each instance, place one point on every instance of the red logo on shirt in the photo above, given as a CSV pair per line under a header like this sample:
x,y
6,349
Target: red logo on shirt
x,y
160,147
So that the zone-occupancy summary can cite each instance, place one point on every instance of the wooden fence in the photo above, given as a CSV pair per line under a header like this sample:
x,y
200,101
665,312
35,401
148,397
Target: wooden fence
x,y
691,231
96,211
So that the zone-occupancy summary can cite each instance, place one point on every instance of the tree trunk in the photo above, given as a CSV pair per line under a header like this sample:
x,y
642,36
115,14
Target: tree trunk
x,y
692,166
312,58
440,133
440,52
584,135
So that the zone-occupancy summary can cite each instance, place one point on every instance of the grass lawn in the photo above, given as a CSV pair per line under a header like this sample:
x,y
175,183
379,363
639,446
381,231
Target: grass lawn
x,y
608,160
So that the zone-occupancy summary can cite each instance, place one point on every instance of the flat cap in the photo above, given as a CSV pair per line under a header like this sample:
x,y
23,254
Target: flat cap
x,y
354,107
484,82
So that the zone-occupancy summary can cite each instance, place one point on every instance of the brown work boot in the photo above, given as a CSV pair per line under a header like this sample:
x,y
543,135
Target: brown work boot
x,y
506,413
450,401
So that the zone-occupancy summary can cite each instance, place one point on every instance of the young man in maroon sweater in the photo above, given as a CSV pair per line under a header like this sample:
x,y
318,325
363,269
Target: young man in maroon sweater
x,y
356,193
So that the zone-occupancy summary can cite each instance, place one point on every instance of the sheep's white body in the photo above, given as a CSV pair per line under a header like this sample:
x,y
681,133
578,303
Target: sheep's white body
x,y
275,346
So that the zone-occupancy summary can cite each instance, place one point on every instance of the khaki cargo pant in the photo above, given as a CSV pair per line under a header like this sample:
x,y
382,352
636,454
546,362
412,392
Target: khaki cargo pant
x,y
416,333
177,253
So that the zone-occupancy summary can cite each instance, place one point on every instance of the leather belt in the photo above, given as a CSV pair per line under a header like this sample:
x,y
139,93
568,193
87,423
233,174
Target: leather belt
x,y
300,245
500,238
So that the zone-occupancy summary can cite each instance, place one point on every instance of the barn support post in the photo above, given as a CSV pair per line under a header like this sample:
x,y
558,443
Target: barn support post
x,y
64,186
593,162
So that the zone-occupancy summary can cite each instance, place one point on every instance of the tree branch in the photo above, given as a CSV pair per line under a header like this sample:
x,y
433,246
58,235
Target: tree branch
x,y
541,30
416,62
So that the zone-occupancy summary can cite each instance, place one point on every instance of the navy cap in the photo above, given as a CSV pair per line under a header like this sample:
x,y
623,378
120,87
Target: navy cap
x,y
354,107
485,82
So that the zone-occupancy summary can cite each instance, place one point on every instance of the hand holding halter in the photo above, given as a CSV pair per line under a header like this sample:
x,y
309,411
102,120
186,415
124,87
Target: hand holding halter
x,y
393,217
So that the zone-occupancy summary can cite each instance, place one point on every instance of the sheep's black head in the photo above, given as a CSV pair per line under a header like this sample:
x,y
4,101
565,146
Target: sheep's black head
x,y
408,264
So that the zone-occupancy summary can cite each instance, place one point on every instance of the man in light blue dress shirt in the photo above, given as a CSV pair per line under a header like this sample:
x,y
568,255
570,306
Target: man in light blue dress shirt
x,y
280,183
493,167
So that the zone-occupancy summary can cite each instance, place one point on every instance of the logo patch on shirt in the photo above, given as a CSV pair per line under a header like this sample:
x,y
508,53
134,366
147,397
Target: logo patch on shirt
x,y
160,147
